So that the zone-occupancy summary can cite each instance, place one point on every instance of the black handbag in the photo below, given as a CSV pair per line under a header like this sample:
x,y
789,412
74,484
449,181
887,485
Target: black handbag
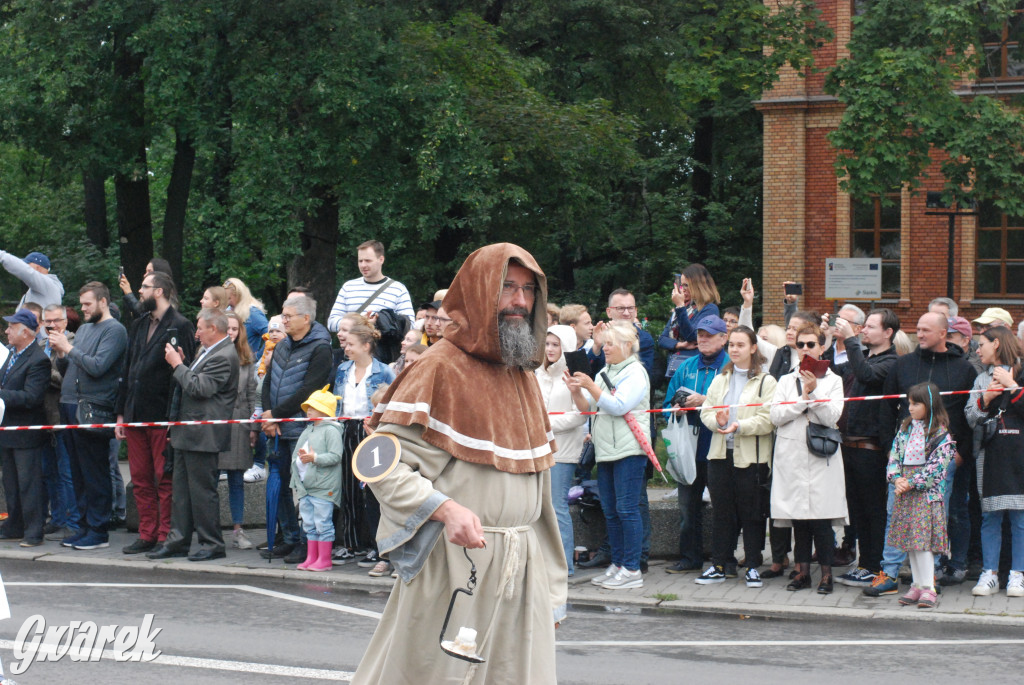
x,y
90,412
822,441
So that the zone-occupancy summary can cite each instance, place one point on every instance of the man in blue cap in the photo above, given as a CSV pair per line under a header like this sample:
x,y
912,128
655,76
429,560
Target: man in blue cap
x,y
694,376
24,378
44,288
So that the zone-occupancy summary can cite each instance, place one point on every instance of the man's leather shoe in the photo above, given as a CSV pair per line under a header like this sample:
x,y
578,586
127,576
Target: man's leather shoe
x,y
207,554
165,552
296,556
139,546
280,551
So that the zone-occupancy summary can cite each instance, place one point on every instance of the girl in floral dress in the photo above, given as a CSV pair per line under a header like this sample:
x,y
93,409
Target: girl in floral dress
x,y
917,468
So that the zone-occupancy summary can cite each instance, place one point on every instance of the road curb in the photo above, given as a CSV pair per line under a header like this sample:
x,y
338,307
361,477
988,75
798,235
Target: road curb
x,y
580,592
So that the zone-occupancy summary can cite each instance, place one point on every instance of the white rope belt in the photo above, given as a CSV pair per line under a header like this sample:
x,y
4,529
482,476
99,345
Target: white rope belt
x,y
513,553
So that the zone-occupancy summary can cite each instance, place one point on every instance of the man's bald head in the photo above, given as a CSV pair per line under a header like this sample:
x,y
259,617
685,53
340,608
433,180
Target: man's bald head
x,y
931,331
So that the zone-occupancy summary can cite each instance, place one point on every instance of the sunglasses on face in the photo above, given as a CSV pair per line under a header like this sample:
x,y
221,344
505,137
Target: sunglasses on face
x,y
801,344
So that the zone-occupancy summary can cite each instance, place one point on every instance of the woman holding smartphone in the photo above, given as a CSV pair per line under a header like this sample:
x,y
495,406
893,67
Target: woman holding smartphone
x,y
695,298
1000,458
808,491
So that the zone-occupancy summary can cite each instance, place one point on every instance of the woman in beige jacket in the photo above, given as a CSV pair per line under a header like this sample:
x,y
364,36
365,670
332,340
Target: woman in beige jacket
x,y
808,491
739,458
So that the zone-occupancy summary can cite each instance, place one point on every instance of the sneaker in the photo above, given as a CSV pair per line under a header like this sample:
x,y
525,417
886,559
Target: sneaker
x,y
92,541
624,580
239,540
682,567
753,578
370,560
672,495
882,585
912,596
928,599
383,568
72,539
343,555
254,474
953,576
712,574
1015,586
608,573
859,577
988,584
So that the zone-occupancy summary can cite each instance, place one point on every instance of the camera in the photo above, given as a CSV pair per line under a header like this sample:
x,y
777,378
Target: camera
x,y
679,398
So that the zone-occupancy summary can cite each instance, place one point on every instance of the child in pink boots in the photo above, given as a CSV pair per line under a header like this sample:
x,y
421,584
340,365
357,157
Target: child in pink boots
x,y
316,477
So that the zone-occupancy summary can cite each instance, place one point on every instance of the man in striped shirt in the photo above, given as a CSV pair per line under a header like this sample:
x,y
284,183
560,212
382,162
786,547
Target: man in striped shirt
x,y
355,293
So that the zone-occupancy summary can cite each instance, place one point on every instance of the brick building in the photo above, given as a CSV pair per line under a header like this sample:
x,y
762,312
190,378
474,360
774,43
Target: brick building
x,y
808,219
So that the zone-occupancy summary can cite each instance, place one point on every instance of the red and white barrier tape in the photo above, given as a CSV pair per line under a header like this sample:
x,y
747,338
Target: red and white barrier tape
x,y
221,422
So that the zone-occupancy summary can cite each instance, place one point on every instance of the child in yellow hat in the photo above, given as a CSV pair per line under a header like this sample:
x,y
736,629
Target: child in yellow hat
x,y
316,477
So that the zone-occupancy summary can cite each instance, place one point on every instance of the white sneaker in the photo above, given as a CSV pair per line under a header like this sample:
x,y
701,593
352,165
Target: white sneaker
x,y
671,495
988,584
255,473
239,540
609,573
223,475
1015,588
623,580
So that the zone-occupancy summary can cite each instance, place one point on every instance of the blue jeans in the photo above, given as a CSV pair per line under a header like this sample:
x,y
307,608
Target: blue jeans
x,y
90,471
562,476
317,518
621,483
992,539
59,490
236,495
958,493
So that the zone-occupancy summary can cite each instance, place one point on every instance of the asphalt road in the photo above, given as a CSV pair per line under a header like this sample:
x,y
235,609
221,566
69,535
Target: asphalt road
x,y
242,629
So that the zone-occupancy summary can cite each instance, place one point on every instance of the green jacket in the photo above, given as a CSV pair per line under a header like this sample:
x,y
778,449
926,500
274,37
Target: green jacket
x,y
323,476
613,440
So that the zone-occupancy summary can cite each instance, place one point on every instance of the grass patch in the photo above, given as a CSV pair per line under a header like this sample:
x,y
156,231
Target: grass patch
x,y
666,597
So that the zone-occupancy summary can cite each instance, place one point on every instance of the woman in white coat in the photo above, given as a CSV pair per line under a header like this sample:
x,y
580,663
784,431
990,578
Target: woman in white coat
x,y
808,491
569,429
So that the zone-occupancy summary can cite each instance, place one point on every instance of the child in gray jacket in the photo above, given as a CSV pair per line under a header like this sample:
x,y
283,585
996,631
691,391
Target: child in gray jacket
x,y
316,478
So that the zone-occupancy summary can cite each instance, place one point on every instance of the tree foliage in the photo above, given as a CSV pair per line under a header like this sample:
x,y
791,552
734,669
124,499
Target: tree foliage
x,y
902,88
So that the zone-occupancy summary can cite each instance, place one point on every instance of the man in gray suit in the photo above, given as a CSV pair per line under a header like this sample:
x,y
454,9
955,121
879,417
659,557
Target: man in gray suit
x,y
207,391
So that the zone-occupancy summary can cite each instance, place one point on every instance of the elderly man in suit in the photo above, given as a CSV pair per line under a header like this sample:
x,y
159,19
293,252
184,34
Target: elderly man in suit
x,y
145,395
207,391
23,382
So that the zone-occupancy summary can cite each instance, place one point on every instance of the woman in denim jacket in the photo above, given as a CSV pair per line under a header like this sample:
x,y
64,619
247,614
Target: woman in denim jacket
x,y
356,381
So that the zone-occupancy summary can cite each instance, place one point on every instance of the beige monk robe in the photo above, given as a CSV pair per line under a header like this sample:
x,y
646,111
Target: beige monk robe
x,y
522,572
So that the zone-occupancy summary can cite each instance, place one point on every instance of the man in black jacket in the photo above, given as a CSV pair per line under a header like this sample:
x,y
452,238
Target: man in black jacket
x,y
945,366
863,458
144,395
301,363
23,382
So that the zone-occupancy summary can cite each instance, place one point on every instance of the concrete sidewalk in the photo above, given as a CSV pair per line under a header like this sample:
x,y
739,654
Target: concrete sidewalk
x,y
661,591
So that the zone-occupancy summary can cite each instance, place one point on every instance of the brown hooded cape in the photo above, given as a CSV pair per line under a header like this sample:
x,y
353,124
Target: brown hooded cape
x,y
468,401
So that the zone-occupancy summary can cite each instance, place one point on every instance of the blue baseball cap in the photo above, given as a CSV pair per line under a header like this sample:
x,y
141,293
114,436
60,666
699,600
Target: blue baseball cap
x,y
37,258
24,316
712,324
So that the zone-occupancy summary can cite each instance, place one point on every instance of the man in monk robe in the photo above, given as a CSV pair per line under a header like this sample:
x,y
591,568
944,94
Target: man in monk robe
x,y
474,473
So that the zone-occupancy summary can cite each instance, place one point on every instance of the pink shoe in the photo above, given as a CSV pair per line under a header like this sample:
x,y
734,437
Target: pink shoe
x,y
311,555
928,599
912,596
324,562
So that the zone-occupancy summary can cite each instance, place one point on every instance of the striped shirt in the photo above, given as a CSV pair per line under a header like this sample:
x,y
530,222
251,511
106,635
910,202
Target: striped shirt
x,y
357,291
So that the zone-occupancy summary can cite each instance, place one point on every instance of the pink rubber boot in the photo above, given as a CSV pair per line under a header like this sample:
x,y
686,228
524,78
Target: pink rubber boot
x,y
324,562
311,556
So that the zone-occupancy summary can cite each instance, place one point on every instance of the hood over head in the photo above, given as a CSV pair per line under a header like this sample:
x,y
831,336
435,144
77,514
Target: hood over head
x,y
472,301
566,336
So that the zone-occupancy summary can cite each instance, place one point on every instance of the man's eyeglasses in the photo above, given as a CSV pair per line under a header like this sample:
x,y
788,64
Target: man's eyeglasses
x,y
51,322
810,344
437,319
623,310
289,317
508,288
147,287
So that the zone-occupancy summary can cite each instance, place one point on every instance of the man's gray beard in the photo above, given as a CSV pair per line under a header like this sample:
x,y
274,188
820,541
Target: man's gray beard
x,y
518,344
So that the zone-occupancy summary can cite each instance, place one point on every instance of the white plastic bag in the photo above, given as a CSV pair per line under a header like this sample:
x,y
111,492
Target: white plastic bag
x,y
681,444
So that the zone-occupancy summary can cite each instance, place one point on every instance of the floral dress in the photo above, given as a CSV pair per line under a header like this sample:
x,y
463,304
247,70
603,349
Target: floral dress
x,y
918,520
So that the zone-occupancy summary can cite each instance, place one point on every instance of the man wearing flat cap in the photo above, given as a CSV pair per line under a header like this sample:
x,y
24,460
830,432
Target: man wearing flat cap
x,y
44,288
24,379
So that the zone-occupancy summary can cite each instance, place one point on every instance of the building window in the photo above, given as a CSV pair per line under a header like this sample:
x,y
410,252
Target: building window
x,y
875,233
1004,49
1000,257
